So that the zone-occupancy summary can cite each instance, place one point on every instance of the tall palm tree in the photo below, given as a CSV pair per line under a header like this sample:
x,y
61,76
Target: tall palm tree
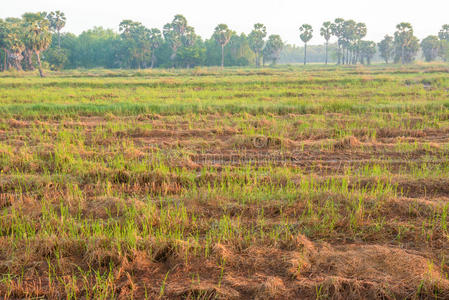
x,y
3,42
222,35
38,37
404,35
360,33
337,31
326,33
256,40
14,42
57,22
349,31
156,41
306,35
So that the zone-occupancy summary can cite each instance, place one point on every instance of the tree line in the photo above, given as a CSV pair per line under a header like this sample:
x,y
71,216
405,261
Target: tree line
x,y
35,37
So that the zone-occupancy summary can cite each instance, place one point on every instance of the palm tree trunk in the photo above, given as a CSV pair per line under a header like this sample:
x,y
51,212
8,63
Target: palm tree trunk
x,y
59,39
30,60
41,73
305,54
18,65
402,54
222,56
18,61
5,65
327,44
173,56
153,58
339,54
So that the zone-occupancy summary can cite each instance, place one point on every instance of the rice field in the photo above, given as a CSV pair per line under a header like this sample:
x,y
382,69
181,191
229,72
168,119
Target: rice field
x,y
286,183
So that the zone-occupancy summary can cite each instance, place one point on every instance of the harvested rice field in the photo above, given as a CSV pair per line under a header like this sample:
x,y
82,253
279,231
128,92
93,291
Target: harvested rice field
x,y
286,183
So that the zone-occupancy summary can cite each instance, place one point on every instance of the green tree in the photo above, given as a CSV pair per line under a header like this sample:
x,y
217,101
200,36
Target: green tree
x,y
56,57
191,48
191,54
256,40
338,31
155,38
272,50
430,47
57,22
406,44
386,48
174,33
97,47
38,37
222,36
367,51
349,36
444,32
14,42
444,42
306,35
444,50
189,37
4,33
136,46
326,33
360,32
27,19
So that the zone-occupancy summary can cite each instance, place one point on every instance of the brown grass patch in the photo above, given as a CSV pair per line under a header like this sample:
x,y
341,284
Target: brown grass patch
x,y
347,143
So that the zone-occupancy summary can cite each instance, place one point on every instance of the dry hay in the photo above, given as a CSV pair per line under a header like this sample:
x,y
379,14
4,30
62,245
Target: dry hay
x,y
346,143
349,271
260,142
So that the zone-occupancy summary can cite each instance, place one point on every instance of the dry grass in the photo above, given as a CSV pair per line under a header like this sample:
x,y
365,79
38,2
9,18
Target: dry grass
x,y
181,187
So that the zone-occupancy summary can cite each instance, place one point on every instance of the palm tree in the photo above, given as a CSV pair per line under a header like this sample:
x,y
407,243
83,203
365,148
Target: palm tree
x,y
222,35
326,33
256,40
57,22
174,32
3,41
14,42
155,38
404,35
38,37
444,32
273,48
349,31
306,35
337,30
360,33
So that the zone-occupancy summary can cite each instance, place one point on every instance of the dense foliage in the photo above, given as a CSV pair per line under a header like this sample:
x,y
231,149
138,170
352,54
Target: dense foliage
x,y
23,41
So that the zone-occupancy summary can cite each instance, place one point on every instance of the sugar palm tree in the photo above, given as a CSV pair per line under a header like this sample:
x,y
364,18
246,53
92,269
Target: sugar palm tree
x,y
57,22
326,33
156,41
306,35
256,40
38,38
222,35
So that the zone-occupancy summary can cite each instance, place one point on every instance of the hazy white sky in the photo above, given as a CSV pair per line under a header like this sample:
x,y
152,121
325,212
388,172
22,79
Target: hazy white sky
x,y
282,17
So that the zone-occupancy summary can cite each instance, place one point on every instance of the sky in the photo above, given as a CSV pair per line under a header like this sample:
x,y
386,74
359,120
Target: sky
x,y
283,17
